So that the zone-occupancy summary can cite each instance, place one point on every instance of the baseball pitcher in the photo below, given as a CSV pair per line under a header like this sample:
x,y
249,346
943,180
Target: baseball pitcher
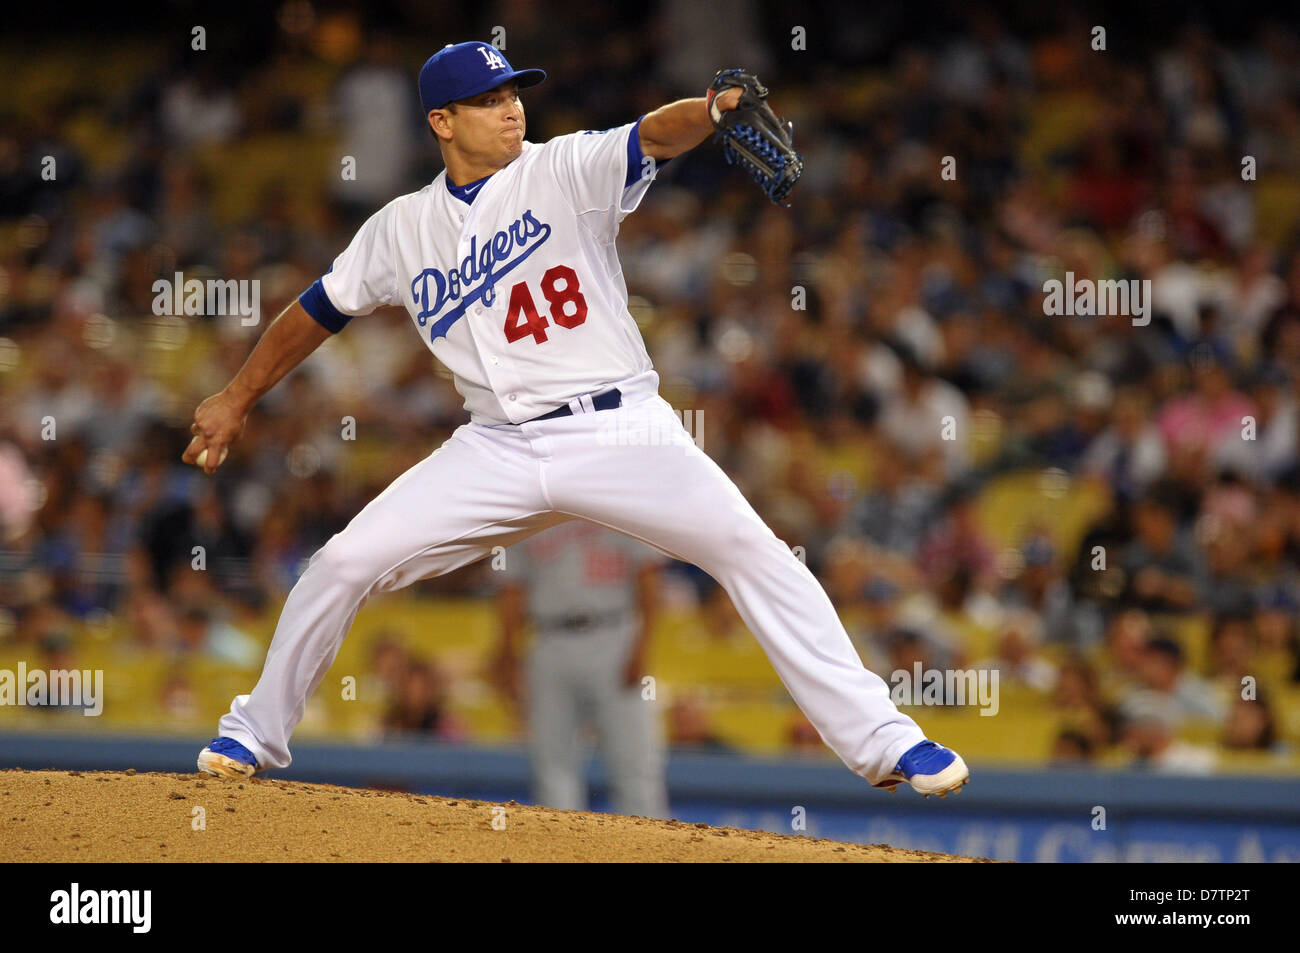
x,y
506,263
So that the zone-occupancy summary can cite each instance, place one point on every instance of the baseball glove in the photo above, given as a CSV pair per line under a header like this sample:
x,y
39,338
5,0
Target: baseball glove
x,y
753,137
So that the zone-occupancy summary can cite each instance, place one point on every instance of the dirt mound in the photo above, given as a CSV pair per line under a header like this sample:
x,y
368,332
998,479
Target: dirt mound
x,y
124,816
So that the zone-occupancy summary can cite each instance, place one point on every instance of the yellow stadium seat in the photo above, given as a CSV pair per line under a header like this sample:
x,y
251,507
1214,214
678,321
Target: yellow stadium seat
x,y
1014,504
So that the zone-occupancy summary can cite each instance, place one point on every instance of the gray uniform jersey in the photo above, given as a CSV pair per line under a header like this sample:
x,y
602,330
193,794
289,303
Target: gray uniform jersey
x,y
579,575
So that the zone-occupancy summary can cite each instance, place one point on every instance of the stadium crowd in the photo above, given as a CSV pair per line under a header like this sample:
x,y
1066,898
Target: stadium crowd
x,y
867,362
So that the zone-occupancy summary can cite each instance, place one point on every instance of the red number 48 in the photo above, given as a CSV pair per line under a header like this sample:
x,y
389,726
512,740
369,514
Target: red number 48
x,y
560,289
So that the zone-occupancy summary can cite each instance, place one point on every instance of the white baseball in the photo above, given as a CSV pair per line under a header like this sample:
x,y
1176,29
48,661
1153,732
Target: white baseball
x,y
202,461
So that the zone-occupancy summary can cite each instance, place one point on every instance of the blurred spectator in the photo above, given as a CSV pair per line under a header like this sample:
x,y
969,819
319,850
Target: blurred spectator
x,y
896,510
1077,696
927,413
199,108
1232,649
1278,658
420,706
908,648
1163,564
1127,635
1041,587
1149,736
1128,454
17,496
803,738
388,662
687,52
1209,417
174,530
1072,749
688,727
151,618
957,543
58,654
41,622
1254,294
1167,687
1019,659
124,404
1227,589
1251,726
1271,448
178,699
721,620
200,632
378,114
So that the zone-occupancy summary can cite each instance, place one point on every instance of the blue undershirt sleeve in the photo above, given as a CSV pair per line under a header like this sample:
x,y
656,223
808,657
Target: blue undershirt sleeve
x,y
316,303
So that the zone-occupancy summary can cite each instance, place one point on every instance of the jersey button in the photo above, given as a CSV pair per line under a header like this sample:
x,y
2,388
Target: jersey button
x,y
497,361
513,397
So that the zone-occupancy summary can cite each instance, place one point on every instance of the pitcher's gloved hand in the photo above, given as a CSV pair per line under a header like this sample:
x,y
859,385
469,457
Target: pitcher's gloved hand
x,y
752,135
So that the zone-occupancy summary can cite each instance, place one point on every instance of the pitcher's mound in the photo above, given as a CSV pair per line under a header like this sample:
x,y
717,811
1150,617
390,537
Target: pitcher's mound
x,y
124,816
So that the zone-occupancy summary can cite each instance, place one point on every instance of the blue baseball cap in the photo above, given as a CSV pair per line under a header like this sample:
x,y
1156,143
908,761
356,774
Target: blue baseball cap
x,y
461,70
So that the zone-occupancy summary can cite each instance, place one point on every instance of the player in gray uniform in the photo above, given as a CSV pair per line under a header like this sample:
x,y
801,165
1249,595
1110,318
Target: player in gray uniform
x,y
590,597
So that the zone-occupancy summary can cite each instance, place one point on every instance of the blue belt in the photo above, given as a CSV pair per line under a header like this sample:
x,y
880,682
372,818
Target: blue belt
x,y
607,401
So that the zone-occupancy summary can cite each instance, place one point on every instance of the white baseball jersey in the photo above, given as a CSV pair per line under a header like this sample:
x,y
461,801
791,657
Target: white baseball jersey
x,y
512,281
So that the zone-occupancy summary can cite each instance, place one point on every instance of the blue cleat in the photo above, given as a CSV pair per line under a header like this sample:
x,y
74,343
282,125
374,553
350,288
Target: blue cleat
x,y
931,769
227,758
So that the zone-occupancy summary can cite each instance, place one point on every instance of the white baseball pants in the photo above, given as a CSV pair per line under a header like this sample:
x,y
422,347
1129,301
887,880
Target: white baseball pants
x,y
634,469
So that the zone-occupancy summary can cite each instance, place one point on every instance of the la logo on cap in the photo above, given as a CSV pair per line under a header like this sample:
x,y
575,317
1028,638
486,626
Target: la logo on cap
x,y
455,73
